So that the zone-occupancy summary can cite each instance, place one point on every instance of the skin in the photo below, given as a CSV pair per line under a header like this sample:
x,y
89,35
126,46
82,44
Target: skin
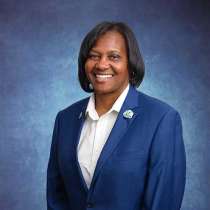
x,y
107,70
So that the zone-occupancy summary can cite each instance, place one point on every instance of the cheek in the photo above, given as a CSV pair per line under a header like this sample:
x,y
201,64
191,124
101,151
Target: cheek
x,y
89,66
123,70
86,67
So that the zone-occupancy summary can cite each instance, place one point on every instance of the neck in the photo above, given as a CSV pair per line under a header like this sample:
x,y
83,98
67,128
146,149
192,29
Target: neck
x,y
103,103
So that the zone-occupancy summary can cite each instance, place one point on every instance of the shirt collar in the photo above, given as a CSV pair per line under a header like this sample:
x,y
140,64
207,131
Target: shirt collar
x,y
91,111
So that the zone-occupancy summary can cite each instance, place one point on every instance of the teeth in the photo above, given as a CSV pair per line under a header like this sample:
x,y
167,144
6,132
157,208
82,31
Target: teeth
x,y
103,75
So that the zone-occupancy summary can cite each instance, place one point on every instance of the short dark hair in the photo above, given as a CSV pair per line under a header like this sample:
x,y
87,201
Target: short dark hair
x,y
135,60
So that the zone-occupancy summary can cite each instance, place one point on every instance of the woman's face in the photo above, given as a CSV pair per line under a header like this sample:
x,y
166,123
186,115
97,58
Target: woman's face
x,y
107,65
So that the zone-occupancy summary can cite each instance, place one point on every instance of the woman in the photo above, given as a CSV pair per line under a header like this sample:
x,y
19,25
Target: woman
x,y
119,149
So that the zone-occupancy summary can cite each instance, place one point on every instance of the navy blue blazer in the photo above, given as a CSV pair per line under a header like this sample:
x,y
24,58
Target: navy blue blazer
x,y
141,167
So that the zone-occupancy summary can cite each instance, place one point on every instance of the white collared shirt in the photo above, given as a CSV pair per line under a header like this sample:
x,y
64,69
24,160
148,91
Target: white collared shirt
x,y
95,133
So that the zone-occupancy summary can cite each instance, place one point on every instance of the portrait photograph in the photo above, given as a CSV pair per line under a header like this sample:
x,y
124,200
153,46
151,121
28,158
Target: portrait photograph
x,y
105,105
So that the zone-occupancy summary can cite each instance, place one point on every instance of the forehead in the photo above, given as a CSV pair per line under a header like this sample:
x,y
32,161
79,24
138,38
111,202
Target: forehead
x,y
111,40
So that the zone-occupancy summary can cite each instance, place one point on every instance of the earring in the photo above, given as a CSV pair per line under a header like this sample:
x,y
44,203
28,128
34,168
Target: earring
x,y
90,86
133,76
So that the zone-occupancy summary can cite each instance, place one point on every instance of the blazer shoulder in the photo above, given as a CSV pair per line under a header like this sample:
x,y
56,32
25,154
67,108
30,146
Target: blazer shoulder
x,y
75,107
155,105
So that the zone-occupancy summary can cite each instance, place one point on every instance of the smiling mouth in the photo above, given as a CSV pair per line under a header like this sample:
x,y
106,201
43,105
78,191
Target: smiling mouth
x,y
103,77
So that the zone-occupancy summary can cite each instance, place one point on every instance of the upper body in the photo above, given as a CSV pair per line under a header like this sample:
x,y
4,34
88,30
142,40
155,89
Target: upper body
x,y
141,162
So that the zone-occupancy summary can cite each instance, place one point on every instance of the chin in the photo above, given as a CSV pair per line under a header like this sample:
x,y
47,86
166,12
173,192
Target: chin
x,y
102,90
107,91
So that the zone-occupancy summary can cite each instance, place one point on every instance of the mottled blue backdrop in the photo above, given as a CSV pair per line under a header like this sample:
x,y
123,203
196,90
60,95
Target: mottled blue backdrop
x,y
39,44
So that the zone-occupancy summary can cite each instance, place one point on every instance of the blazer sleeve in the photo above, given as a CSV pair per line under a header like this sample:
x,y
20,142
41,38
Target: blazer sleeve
x,y
166,177
56,194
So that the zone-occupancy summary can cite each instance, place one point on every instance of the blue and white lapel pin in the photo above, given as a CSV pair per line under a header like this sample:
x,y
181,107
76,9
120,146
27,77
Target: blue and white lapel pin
x,y
128,114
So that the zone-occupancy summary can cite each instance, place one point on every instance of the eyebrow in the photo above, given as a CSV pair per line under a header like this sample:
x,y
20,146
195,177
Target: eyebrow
x,y
111,51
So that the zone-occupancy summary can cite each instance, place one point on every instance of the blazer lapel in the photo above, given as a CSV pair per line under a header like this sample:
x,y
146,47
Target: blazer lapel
x,y
79,124
120,128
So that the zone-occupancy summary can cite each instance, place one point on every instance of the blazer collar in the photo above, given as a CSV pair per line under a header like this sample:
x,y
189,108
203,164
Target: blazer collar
x,y
131,101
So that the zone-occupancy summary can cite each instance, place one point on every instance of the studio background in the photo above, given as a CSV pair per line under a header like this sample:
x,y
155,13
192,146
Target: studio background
x,y
39,44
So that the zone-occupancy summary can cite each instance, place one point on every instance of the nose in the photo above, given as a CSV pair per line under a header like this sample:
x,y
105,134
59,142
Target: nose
x,y
102,63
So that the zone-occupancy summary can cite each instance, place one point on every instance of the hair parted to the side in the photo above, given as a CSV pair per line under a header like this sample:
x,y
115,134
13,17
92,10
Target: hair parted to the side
x,y
135,60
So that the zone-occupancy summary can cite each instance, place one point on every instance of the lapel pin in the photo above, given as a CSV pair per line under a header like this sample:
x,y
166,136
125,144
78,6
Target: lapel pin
x,y
128,114
80,115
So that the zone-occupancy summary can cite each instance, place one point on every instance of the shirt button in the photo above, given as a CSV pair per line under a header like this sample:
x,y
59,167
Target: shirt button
x,y
89,205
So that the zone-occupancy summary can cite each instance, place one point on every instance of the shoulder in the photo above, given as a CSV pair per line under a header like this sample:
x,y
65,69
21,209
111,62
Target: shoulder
x,y
153,102
154,106
158,115
74,109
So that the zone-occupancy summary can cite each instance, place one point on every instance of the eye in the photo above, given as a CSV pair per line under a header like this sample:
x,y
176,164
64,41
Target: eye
x,y
93,56
114,57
